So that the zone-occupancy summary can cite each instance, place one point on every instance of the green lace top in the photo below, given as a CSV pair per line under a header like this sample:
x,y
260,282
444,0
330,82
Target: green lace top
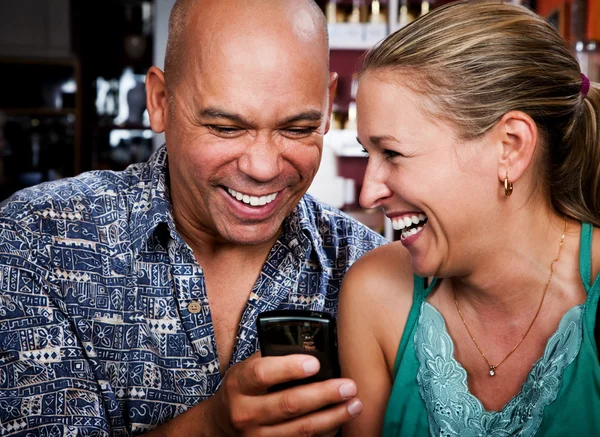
x,y
561,395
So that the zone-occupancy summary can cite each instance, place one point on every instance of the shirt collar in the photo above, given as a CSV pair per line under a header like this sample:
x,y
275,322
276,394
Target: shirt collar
x,y
150,206
149,198
301,231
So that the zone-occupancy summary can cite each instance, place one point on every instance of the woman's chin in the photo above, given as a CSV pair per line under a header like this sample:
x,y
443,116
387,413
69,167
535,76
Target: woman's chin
x,y
422,268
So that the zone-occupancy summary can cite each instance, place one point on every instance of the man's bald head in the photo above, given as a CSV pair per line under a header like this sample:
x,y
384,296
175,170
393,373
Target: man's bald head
x,y
195,25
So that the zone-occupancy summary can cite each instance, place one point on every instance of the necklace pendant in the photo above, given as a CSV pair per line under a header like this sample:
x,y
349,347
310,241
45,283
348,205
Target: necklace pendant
x,y
492,370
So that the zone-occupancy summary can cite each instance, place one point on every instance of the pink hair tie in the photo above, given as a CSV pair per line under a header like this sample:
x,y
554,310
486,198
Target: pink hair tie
x,y
585,85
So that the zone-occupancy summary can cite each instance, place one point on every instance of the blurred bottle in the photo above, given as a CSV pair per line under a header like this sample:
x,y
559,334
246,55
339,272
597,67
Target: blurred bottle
x,y
364,11
112,99
333,13
377,15
354,16
336,118
424,8
405,16
351,121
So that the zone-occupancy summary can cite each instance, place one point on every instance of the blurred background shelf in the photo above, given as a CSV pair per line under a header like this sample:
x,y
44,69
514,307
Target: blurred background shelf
x,y
72,83
37,111
40,115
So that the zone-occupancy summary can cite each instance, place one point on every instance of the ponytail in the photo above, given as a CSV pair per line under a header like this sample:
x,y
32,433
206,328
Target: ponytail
x,y
575,182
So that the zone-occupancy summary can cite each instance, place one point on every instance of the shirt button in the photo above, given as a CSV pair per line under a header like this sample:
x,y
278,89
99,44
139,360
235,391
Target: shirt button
x,y
194,307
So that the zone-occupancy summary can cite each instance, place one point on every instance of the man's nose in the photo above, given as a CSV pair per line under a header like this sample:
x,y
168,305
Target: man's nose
x,y
262,160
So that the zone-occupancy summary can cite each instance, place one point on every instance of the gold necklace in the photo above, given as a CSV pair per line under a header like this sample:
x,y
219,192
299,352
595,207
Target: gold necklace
x,y
493,367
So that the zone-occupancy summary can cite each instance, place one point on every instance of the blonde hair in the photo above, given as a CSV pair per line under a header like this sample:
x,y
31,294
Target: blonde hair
x,y
476,61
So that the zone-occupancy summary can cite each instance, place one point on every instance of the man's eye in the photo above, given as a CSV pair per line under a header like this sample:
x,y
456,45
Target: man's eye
x,y
224,130
300,131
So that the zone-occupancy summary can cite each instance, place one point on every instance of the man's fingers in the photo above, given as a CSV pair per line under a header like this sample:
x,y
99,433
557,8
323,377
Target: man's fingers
x,y
316,409
320,423
304,399
256,376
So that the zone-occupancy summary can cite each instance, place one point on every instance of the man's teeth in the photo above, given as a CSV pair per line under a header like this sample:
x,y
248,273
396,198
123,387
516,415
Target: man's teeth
x,y
399,223
252,200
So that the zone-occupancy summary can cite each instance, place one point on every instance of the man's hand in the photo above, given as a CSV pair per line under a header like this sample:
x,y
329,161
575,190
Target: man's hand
x,y
242,406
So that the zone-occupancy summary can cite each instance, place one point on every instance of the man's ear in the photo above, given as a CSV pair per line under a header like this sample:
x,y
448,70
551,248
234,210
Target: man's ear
x,y
518,136
333,81
157,100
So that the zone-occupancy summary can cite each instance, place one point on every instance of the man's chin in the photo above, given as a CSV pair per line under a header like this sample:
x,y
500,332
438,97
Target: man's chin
x,y
252,235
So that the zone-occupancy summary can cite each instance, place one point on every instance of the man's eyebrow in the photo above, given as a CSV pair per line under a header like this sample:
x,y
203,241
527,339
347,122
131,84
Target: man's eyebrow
x,y
216,113
312,115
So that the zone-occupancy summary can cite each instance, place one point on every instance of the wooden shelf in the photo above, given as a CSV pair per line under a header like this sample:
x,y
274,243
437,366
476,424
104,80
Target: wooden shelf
x,y
38,111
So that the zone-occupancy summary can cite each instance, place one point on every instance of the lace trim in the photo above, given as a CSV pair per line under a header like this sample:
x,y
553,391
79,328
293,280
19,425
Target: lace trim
x,y
453,411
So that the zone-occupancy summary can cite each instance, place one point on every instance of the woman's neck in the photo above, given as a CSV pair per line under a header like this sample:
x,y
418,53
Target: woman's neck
x,y
517,268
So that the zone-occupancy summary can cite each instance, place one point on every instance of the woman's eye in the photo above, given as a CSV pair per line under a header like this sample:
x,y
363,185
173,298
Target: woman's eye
x,y
364,151
390,153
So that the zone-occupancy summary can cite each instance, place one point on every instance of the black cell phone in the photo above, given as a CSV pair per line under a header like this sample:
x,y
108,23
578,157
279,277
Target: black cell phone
x,y
285,332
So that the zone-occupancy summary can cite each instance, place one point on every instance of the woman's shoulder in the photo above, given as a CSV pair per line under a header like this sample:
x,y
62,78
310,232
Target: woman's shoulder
x,y
374,303
379,289
383,270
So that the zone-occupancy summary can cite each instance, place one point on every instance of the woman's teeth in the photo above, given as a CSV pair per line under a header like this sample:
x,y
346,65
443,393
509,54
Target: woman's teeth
x,y
410,225
252,200
405,234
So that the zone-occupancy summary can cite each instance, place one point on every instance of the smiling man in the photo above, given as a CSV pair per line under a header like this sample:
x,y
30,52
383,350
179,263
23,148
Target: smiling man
x,y
129,300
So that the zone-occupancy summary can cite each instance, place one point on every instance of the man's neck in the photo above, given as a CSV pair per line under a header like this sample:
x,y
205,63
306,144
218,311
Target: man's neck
x,y
211,250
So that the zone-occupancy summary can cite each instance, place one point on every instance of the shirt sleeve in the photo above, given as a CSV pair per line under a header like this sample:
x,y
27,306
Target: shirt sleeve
x,y
47,385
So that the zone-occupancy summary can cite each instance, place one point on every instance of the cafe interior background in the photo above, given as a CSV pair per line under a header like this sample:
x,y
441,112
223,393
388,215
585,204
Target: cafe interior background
x,y
72,93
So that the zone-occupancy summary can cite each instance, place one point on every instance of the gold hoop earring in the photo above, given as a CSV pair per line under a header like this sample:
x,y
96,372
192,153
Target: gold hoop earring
x,y
508,186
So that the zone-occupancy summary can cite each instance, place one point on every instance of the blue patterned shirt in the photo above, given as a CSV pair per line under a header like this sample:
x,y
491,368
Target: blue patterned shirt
x,y
96,337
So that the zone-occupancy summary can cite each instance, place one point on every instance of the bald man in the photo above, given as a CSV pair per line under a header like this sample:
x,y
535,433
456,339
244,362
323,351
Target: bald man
x,y
128,301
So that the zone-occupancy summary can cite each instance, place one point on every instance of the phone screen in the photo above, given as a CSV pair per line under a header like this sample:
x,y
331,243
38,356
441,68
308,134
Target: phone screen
x,y
285,332
295,336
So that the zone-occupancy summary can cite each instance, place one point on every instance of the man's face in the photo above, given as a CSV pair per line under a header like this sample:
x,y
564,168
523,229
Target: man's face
x,y
244,135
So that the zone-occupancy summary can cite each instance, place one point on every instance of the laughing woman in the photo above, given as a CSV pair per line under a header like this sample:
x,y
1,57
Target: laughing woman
x,y
484,151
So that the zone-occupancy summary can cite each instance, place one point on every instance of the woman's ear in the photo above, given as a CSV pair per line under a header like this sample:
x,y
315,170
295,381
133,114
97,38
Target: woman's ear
x,y
518,135
157,100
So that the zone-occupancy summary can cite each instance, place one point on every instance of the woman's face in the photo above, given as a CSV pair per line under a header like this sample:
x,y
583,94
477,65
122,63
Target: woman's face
x,y
440,192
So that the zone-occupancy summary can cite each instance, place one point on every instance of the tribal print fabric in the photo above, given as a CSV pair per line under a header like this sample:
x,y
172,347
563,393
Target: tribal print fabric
x,y
96,333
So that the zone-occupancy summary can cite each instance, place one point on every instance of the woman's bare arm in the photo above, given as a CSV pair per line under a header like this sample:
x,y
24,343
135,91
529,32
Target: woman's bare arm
x,y
374,304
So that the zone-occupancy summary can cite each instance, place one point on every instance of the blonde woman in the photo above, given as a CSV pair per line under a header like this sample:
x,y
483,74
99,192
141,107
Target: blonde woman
x,y
484,151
